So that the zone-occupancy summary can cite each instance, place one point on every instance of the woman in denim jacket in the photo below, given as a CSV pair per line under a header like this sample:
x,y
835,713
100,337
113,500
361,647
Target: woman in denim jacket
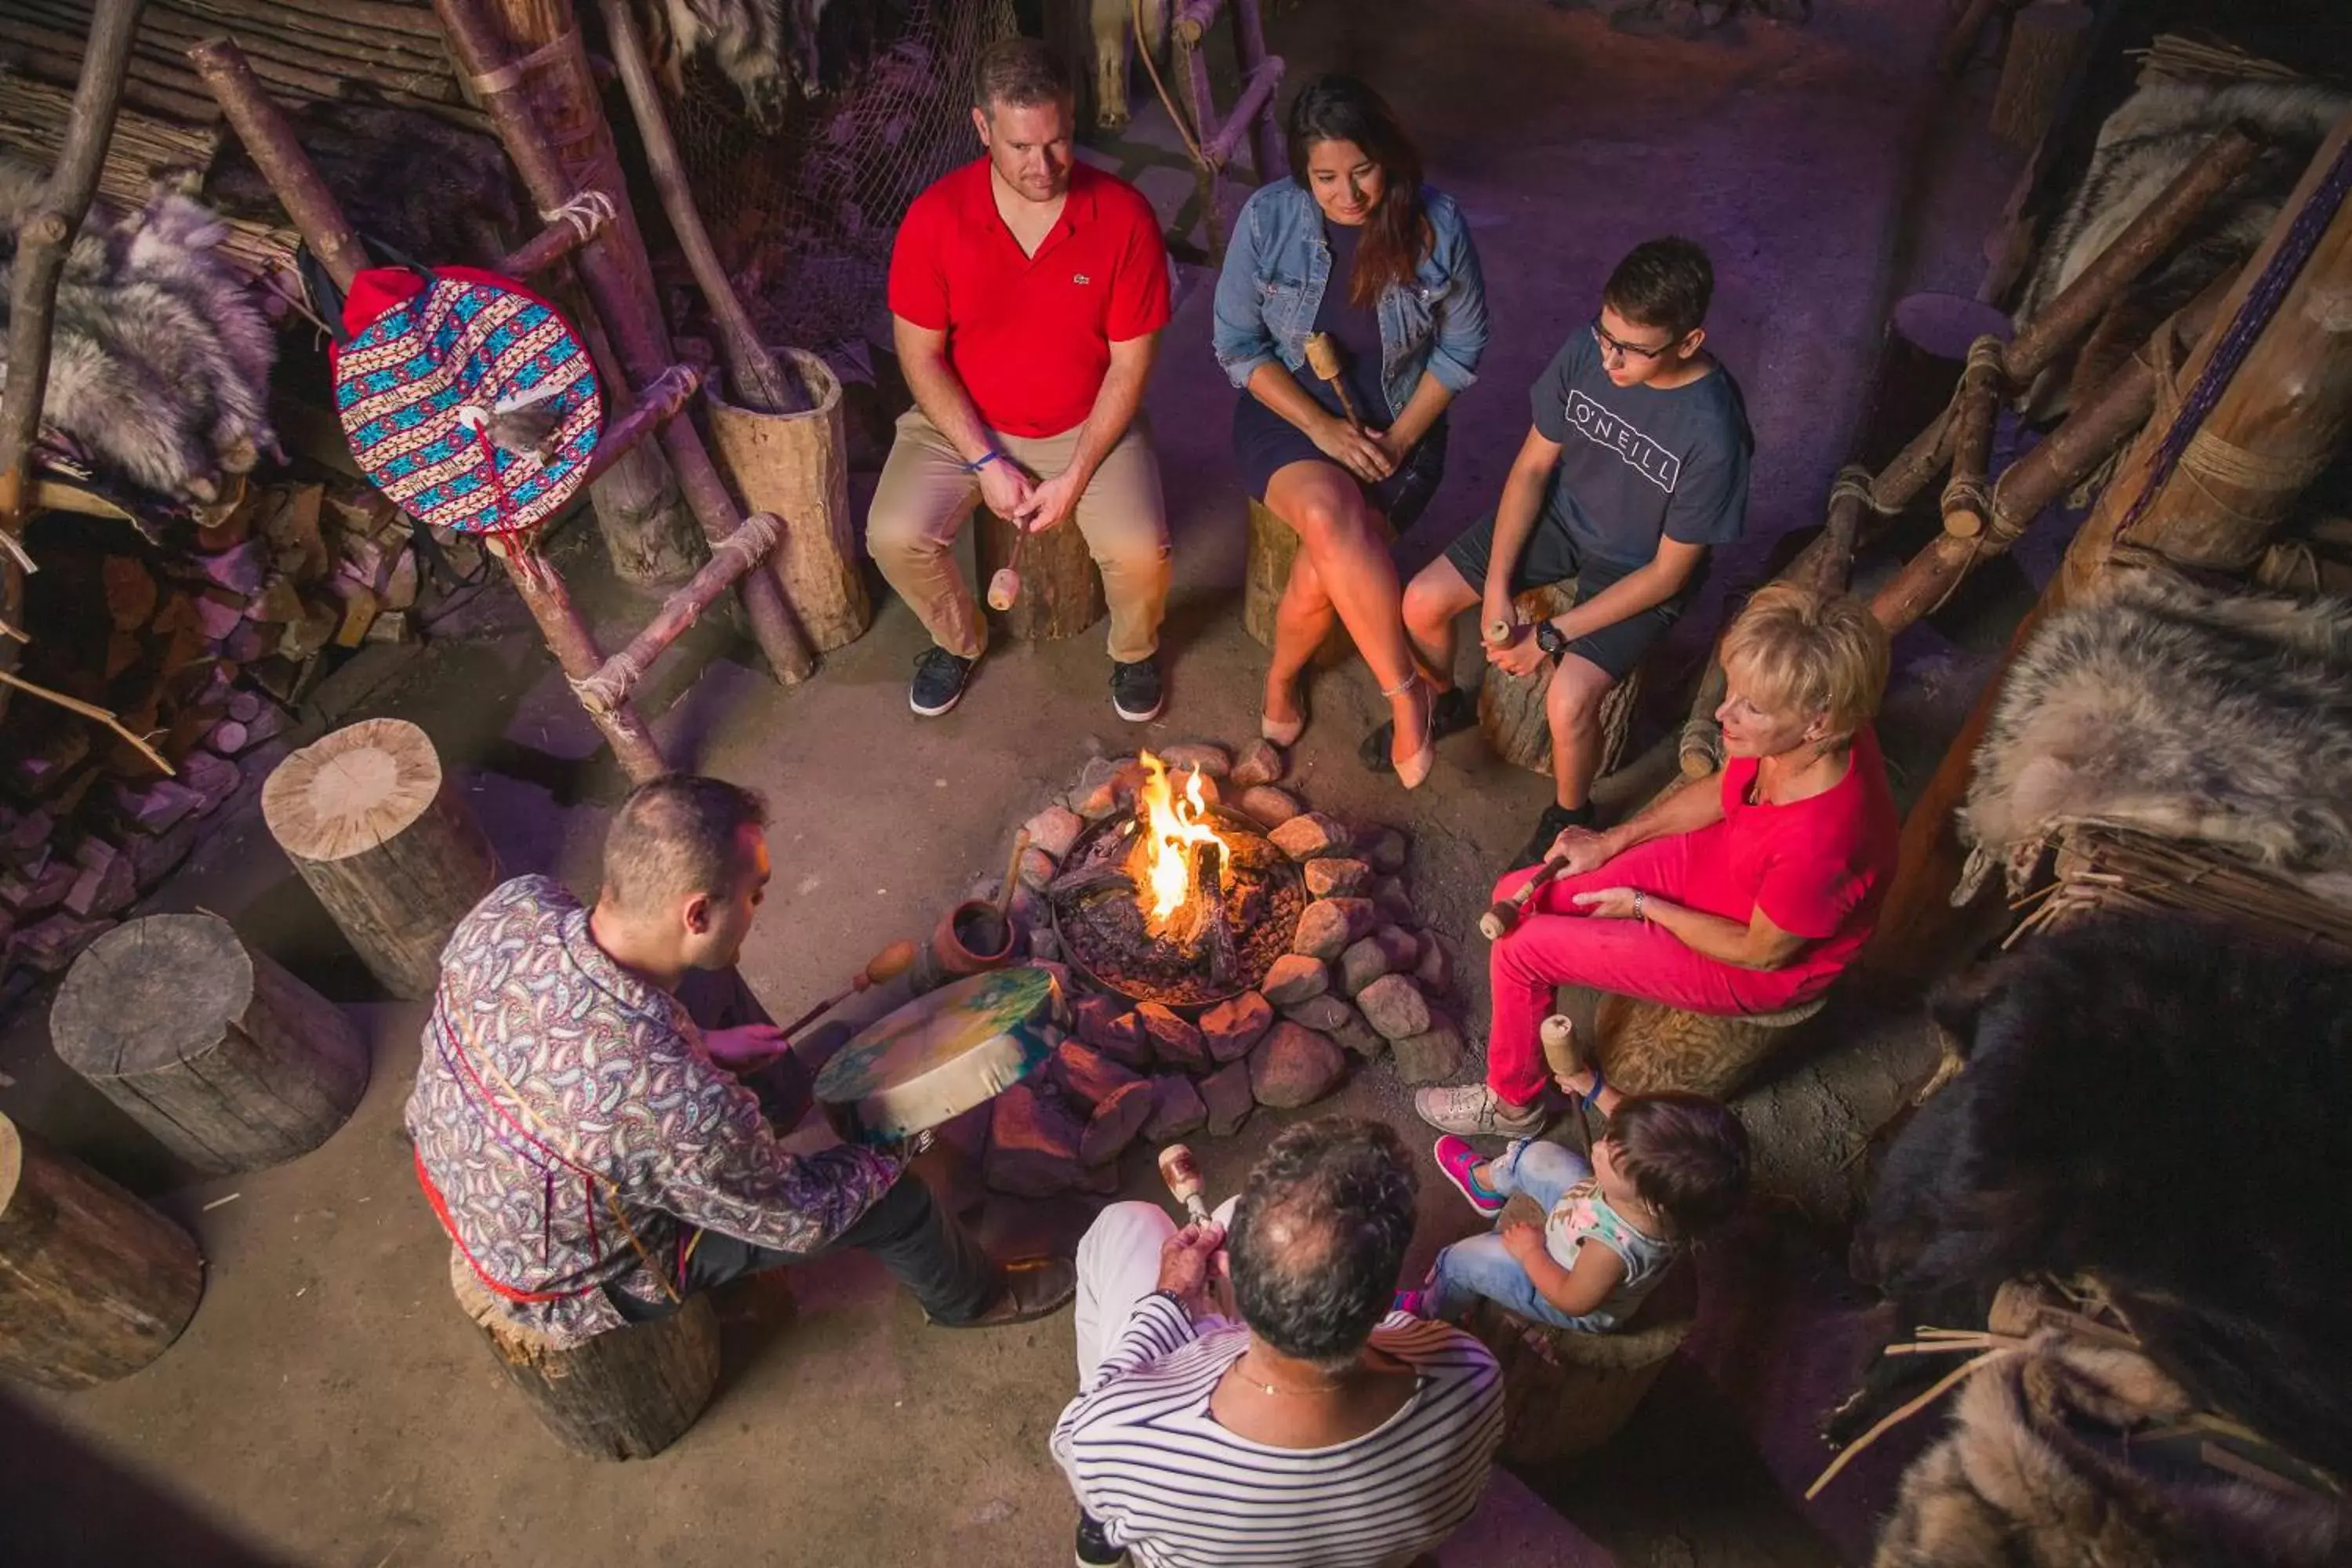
x,y
1356,246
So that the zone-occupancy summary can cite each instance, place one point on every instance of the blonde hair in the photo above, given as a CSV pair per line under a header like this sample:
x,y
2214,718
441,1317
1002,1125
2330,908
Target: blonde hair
x,y
1808,653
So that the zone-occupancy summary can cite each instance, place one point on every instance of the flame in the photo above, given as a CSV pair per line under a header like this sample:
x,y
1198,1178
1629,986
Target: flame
x,y
1173,827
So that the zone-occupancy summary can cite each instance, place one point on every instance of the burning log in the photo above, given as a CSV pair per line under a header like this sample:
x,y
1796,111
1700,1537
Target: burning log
x,y
1216,930
1072,885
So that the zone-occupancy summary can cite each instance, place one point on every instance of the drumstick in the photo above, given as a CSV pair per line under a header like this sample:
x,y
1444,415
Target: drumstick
x,y
884,966
1502,917
1011,878
1497,633
1005,586
1323,359
1183,1178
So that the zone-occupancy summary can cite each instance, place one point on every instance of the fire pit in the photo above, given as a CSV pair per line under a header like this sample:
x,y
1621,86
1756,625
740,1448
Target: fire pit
x,y
1178,901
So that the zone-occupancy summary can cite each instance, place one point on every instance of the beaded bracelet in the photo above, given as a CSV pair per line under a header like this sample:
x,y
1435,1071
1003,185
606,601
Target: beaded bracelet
x,y
991,456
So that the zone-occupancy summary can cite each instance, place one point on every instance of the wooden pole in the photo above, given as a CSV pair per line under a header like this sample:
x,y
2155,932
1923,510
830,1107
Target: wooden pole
x,y
1249,53
1249,111
1965,503
44,239
557,240
270,143
754,380
551,86
2044,41
612,683
568,637
657,406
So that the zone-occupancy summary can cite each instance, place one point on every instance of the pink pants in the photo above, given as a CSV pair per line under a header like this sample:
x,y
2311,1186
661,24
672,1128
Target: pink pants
x,y
1557,943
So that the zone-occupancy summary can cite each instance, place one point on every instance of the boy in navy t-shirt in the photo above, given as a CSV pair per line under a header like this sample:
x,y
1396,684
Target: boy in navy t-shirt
x,y
1636,465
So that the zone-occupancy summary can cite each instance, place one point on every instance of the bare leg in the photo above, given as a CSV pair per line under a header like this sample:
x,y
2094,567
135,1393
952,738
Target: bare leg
x,y
1301,620
1434,600
1572,707
1356,578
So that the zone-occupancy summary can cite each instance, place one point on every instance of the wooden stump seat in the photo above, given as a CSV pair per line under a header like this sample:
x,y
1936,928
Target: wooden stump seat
x,y
1273,546
93,1283
231,1062
625,1395
1645,1048
1060,591
385,841
1511,707
1566,1393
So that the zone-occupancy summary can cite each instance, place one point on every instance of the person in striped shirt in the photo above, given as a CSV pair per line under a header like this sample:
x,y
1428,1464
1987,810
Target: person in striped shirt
x,y
1321,1430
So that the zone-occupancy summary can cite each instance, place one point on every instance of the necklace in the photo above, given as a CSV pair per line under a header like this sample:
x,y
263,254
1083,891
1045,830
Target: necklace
x,y
1277,1388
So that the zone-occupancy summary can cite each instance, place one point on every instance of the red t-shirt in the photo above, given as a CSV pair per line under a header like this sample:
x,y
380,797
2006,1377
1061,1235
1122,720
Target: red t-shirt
x,y
1817,868
1030,336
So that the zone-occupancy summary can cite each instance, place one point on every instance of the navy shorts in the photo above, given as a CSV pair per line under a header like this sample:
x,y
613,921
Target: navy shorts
x,y
1551,557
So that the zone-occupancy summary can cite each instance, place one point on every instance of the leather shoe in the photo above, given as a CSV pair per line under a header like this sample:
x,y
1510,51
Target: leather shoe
x,y
1034,1288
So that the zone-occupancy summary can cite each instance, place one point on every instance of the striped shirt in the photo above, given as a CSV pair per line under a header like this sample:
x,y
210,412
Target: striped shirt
x,y
1177,1489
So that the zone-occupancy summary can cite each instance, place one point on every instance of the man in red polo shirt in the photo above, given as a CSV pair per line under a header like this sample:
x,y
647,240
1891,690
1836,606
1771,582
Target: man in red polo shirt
x,y
1027,292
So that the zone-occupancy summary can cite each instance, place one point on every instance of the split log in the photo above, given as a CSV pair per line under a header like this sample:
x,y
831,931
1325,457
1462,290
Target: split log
x,y
1273,547
231,1062
1511,707
2045,41
381,835
93,1283
1061,592
627,1394
1088,879
43,238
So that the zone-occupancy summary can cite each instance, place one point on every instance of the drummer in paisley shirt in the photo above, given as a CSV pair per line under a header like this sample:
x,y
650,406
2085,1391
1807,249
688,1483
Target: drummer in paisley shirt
x,y
582,1214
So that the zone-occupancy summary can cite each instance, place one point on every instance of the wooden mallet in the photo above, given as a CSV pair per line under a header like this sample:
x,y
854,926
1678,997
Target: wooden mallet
x,y
1504,915
884,966
1323,359
1005,586
1183,1178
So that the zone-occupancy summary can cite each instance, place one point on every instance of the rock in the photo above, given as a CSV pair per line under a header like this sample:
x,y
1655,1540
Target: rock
x,y
1324,1013
1213,761
1231,1029
1395,1005
1087,1074
1330,877
1330,924
1110,1026
1108,784
1033,1144
968,1134
1225,1094
1386,851
1054,829
1047,948
1433,1055
1177,1108
1268,807
1175,1039
1115,1123
1394,903
1261,763
1029,910
1435,966
1058,971
1358,1036
1308,834
1037,868
1294,978
1293,1066
1385,951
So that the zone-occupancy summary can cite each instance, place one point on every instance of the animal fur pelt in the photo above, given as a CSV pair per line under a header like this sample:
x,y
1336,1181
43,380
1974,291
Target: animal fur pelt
x,y
159,358
2224,719
2038,1471
2157,1105
2148,141
770,50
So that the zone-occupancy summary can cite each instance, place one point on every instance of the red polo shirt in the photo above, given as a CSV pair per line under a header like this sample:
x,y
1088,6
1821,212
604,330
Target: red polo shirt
x,y
1030,336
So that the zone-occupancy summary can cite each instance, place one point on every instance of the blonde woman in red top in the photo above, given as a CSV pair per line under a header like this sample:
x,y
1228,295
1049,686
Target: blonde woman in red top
x,y
1747,892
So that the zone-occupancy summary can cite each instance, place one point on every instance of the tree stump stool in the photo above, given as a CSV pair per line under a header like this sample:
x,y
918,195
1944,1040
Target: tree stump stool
x,y
1061,592
1567,1392
232,1063
381,835
93,1283
627,1394
1273,546
1645,1048
1511,707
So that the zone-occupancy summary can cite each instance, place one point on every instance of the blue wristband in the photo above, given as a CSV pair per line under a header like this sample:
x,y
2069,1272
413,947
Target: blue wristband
x,y
991,456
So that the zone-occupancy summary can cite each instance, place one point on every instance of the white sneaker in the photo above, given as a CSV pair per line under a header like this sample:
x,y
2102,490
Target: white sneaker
x,y
1474,1110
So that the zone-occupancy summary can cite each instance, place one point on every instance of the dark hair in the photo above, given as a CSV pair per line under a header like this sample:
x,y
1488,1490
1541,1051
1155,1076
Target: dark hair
x,y
1341,109
1019,73
1664,283
675,837
1319,1236
1685,1153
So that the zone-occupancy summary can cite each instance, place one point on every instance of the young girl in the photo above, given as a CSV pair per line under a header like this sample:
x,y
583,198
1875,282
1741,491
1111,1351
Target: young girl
x,y
1671,1166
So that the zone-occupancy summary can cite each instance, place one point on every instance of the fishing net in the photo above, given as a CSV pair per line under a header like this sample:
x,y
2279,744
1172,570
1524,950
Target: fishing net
x,y
803,215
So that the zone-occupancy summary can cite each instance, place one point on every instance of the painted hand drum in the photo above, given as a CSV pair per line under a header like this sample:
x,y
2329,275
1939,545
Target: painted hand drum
x,y
941,1054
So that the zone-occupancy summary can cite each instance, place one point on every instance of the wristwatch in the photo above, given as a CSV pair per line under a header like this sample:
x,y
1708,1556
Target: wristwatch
x,y
1548,638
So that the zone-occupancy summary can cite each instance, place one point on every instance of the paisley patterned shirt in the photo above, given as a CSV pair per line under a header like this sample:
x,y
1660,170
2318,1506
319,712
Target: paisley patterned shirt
x,y
575,1135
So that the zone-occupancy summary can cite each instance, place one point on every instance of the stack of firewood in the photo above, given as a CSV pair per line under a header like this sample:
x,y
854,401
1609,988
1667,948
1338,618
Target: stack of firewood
x,y
203,653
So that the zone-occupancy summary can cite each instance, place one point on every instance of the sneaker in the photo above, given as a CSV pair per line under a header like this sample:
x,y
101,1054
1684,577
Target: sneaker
x,y
1412,1303
940,679
1094,1550
1453,711
1556,820
1135,693
1460,1163
1474,1110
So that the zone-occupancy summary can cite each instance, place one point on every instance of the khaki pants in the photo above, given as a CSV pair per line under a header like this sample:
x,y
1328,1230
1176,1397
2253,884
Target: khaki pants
x,y
924,497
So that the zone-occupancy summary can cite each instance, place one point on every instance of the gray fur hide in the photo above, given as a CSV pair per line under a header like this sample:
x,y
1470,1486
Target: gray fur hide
x,y
2224,719
159,359
2144,144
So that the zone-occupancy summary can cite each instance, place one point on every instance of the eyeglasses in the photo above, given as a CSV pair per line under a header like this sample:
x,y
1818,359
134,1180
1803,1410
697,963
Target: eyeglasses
x,y
1610,345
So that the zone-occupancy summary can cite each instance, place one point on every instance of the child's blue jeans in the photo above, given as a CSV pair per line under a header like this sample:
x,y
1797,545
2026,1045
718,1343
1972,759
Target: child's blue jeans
x,y
1480,1266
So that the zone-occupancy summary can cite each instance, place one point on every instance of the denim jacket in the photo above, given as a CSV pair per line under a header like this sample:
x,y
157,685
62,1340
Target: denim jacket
x,y
1273,283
